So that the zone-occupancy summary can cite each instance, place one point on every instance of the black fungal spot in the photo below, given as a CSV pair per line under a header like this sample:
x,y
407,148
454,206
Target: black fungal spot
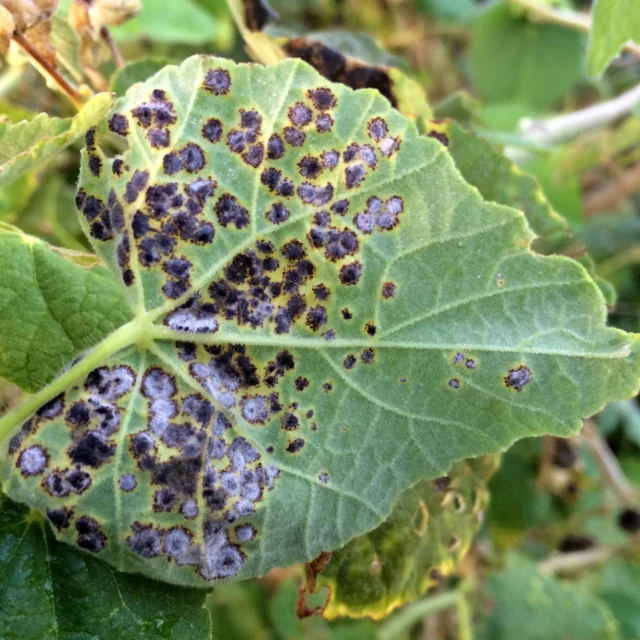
x,y
518,378
370,329
458,357
388,290
470,363
301,383
171,164
217,81
367,356
164,500
212,130
346,314
295,445
323,477
294,136
278,213
192,158
254,155
229,211
321,292
128,482
440,137
32,461
576,542
117,167
316,317
51,409
146,541
60,518
377,128
310,167
89,535
119,124
159,137
327,386
299,114
323,98
454,383
324,123
289,422
90,138
354,176
293,251
254,409
79,414
350,273
95,165
92,451
91,208
275,147
137,183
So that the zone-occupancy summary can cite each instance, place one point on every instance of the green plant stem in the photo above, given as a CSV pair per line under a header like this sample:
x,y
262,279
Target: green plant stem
x,y
407,617
577,560
123,337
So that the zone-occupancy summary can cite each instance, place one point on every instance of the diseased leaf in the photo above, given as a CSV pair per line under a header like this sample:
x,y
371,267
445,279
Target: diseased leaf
x,y
499,180
522,603
615,22
28,145
429,531
51,309
513,59
326,313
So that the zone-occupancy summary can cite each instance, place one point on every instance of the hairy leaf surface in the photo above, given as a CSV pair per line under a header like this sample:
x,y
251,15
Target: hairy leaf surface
x,y
51,308
615,22
428,532
28,145
326,313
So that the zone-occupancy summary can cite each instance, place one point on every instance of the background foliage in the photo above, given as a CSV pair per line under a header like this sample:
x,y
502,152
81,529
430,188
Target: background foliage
x,y
512,84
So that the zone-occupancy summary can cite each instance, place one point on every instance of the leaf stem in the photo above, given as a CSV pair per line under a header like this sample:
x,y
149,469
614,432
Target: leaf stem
x,y
105,34
608,464
577,560
119,339
67,89
407,617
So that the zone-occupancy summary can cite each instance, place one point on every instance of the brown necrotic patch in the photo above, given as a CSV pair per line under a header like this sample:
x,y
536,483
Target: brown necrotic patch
x,y
310,167
119,124
275,147
350,273
229,211
454,383
295,445
370,329
294,136
323,98
440,137
32,461
377,129
367,356
95,165
518,378
60,518
217,81
90,535
301,383
212,130
388,290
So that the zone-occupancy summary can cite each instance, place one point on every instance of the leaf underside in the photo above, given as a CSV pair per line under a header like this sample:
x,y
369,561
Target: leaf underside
x,y
331,314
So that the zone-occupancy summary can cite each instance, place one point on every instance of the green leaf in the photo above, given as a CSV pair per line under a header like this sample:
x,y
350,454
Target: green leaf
x,y
428,532
615,22
28,145
170,22
137,71
619,590
292,369
51,308
515,60
51,591
66,41
527,605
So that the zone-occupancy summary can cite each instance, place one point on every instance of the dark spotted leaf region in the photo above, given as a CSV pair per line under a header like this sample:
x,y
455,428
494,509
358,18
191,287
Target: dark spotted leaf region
x,y
326,313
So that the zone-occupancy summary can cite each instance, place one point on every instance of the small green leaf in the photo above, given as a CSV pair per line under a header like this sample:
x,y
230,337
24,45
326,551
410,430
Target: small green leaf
x,y
515,60
50,309
619,590
428,532
170,22
137,71
615,22
524,604
28,145
51,591
326,313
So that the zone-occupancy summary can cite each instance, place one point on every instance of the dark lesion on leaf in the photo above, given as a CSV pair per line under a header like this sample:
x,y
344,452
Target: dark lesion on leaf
x,y
518,378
